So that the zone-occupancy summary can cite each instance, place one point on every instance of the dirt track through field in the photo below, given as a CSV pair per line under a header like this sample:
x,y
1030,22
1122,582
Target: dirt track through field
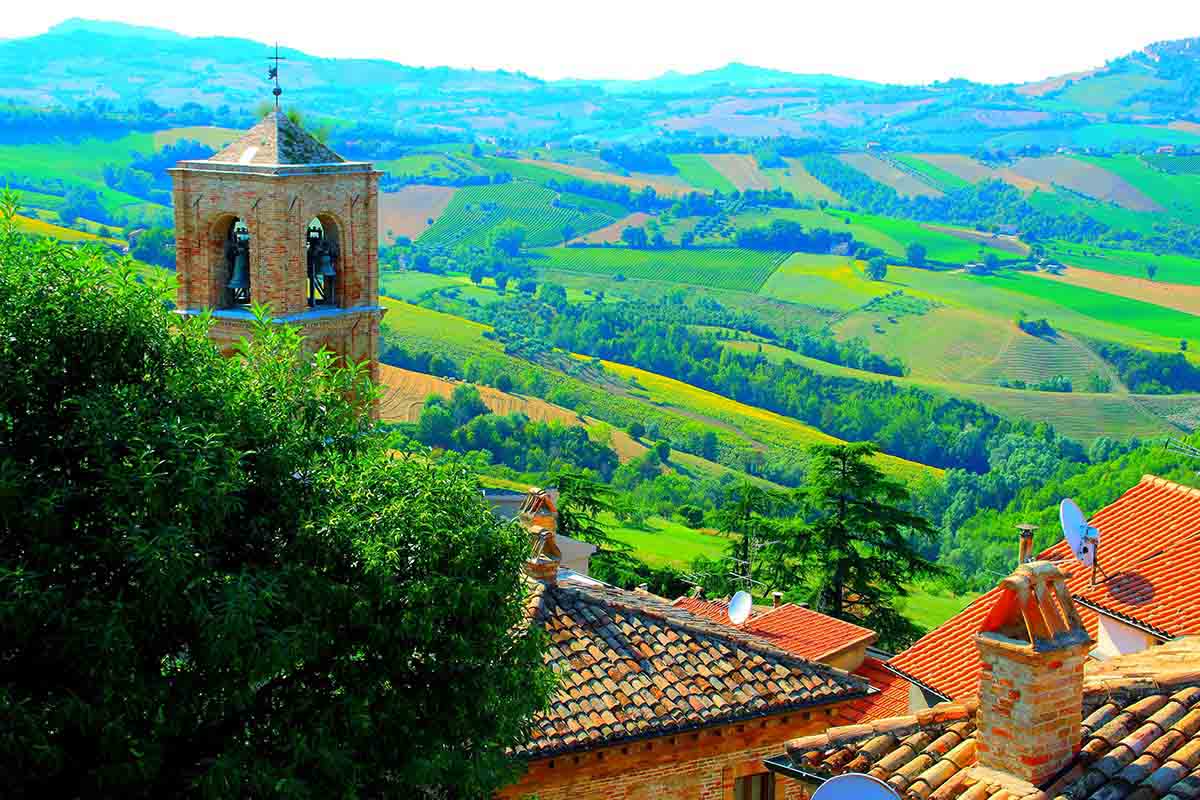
x,y
1169,295
404,393
611,234
407,212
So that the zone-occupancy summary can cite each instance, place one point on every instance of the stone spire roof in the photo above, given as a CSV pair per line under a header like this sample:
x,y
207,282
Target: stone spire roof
x,y
276,140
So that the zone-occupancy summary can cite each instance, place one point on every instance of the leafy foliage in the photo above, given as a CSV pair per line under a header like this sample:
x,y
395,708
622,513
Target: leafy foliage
x,y
1148,372
218,580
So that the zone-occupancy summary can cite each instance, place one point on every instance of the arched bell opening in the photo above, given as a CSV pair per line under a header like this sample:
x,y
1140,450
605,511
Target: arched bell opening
x,y
235,282
322,254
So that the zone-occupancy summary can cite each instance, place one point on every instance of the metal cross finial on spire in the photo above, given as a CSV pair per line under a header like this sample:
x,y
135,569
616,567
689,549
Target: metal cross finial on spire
x,y
273,74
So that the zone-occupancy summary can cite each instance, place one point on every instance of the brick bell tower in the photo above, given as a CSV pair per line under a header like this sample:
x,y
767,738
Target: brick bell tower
x,y
280,219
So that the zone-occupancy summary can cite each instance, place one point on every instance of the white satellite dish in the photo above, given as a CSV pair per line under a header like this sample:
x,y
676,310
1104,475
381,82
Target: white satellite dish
x,y
1083,538
740,606
855,786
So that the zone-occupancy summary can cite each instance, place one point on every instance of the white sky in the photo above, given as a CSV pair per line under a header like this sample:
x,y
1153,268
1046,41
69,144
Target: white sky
x,y
913,41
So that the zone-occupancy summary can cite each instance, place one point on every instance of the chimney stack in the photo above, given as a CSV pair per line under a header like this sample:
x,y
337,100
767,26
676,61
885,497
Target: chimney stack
x,y
539,511
1025,552
1033,647
544,556
776,599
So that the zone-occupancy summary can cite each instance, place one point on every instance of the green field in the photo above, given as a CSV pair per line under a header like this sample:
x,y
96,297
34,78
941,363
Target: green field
x,y
476,211
825,281
721,268
942,179
666,543
1134,314
697,171
930,608
1177,165
1172,268
889,234
1067,204
1179,194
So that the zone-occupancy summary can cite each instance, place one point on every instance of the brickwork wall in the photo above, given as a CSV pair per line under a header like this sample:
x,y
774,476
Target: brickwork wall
x,y
702,765
277,210
1030,708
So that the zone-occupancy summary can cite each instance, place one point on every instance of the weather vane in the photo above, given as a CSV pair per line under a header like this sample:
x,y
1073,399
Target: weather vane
x,y
273,74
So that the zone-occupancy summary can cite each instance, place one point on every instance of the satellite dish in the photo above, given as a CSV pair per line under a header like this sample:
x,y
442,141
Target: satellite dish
x,y
1083,538
739,607
855,786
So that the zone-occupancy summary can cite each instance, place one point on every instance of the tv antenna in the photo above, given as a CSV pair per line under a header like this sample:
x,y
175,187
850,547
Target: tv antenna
x,y
1083,539
740,606
855,786
273,74
1183,448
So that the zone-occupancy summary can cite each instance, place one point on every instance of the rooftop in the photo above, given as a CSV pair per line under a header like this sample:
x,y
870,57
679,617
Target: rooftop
x,y
277,140
798,630
813,635
1150,555
634,666
1141,739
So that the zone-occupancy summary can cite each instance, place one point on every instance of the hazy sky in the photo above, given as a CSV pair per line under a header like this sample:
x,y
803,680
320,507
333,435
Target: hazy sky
x,y
891,40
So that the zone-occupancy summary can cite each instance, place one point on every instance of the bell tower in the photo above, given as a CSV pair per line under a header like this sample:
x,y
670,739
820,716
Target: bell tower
x,y
278,218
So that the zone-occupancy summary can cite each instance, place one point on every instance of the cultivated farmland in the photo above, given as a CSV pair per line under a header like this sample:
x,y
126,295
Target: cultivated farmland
x,y
404,393
1086,178
408,211
1102,306
741,170
611,234
1169,295
880,171
720,268
475,211
696,170
796,179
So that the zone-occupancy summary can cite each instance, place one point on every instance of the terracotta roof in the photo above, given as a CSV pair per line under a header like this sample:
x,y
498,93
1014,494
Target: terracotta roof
x,y
1141,739
632,665
788,627
277,140
798,630
1150,553
890,701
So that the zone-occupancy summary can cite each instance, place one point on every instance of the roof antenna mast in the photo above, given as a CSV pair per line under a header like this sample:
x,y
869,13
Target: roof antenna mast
x,y
273,74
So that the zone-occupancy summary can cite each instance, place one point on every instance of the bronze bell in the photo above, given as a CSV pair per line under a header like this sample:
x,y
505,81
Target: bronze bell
x,y
240,280
327,270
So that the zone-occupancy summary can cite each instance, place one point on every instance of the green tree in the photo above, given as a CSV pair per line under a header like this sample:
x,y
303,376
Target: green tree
x,y
857,545
636,429
747,518
466,404
581,501
478,273
877,268
991,261
663,449
635,237
1151,271
915,254
218,581
507,239
501,280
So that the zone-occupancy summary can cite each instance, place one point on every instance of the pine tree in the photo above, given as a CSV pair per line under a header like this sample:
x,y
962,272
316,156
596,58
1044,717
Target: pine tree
x,y
857,546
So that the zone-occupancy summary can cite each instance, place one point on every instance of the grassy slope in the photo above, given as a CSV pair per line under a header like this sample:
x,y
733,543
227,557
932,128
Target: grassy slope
x,y
1172,268
943,179
1100,306
723,268
667,543
829,281
696,170
762,425
1179,194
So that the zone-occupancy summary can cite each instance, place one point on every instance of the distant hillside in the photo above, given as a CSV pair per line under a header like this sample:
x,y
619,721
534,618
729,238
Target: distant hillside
x,y
1147,98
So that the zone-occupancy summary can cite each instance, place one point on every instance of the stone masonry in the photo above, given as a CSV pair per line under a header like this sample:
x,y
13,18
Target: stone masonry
x,y
276,201
1033,648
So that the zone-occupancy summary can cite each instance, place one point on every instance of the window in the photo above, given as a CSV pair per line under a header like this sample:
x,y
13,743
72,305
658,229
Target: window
x,y
321,253
755,787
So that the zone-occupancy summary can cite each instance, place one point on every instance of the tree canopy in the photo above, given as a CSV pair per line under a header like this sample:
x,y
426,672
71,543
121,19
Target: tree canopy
x,y
218,580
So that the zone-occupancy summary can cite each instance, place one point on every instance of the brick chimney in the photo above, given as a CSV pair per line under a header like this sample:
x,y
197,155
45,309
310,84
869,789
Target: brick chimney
x,y
776,599
1025,551
1033,647
539,510
544,556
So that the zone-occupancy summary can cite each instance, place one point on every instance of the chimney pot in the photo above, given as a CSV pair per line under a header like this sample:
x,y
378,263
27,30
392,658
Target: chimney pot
x,y
1032,644
776,599
1025,550
643,587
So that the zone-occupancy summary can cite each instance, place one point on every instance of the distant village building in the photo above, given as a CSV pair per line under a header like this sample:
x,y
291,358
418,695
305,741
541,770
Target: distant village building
x,y
657,702
278,218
